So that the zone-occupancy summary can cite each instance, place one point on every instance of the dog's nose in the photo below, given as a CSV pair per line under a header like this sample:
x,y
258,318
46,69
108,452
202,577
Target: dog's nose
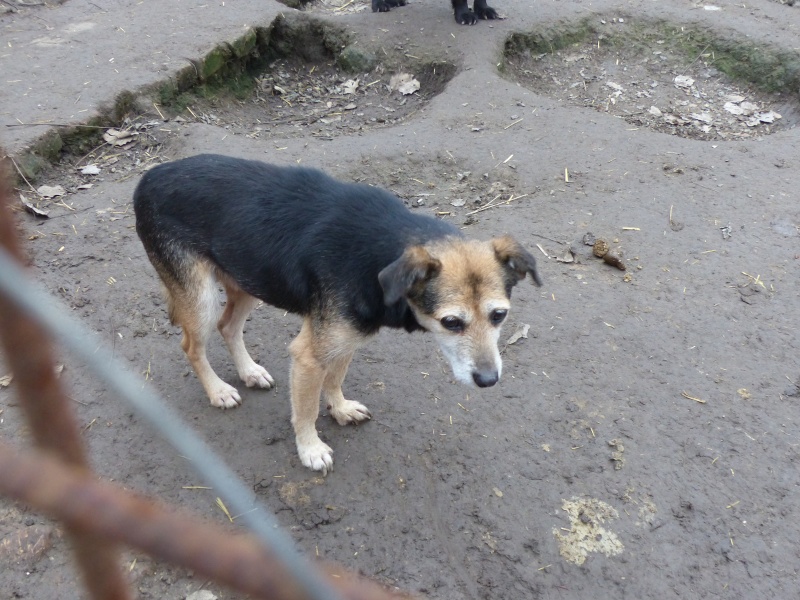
x,y
485,378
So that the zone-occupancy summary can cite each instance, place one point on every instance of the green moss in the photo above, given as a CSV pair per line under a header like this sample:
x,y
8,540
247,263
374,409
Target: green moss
x,y
125,105
548,39
231,70
246,44
49,146
31,165
354,59
214,61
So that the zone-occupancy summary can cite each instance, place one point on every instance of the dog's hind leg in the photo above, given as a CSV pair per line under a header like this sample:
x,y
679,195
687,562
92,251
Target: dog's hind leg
x,y
307,376
344,411
194,305
231,326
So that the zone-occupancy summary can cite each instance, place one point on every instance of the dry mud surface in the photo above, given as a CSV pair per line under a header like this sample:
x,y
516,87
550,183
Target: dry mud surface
x,y
643,442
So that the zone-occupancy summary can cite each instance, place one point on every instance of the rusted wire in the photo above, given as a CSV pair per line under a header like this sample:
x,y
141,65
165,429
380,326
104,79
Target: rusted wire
x,y
76,498
29,357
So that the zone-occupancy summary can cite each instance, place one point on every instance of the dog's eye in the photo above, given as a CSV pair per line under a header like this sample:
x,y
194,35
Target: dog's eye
x,y
452,324
498,316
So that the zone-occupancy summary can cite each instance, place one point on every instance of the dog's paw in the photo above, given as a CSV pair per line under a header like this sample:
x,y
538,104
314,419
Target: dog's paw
x,y
487,13
466,17
316,455
257,376
225,396
350,412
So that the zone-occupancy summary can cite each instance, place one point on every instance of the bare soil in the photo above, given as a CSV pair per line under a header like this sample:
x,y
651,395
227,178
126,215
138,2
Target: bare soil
x,y
643,442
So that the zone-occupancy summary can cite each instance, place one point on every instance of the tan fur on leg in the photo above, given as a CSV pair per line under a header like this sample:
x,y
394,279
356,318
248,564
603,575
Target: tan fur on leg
x,y
195,307
321,354
307,375
231,326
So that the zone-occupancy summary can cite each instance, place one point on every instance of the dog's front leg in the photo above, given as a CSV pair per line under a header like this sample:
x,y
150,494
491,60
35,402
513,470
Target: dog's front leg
x,y
345,412
463,14
308,374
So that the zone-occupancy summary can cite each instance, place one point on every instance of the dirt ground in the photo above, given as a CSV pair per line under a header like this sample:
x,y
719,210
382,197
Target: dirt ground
x,y
643,442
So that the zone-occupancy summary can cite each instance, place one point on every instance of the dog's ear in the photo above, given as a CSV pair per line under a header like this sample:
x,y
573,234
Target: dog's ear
x,y
413,268
515,258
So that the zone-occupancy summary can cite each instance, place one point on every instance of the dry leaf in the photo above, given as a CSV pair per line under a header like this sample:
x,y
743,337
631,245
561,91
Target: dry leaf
x,y
733,108
768,117
36,212
567,257
115,137
702,117
403,83
6,380
90,170
748,108
350,86
50,191
521,332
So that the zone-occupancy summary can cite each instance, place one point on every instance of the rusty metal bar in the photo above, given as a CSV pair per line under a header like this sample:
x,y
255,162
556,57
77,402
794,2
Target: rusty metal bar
x,y
46,408
76,498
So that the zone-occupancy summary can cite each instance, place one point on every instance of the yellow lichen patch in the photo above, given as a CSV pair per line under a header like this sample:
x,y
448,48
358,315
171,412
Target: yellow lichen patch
x,y
586,532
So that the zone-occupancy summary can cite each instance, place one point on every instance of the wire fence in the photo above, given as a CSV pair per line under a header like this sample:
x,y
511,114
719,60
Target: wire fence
x,y
99,517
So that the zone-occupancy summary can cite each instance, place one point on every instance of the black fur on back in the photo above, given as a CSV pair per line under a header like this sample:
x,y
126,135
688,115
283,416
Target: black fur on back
x,y
291,236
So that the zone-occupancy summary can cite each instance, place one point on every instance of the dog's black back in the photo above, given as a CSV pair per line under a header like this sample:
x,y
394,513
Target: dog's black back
x,y
290,236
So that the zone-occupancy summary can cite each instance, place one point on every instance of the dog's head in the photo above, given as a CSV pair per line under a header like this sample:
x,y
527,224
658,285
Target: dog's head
x,y
460,291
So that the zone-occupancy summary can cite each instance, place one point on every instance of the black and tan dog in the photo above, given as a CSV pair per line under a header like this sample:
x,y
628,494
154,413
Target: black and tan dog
x,y
461,11
349,258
